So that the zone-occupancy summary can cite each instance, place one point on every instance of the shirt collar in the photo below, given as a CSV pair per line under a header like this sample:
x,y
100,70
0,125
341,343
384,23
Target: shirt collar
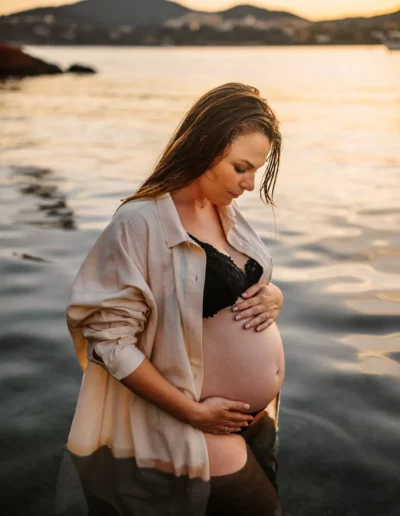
x,y
171,224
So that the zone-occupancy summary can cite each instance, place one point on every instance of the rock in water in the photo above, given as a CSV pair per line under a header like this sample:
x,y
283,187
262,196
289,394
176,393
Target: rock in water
x,y
77,68
16,63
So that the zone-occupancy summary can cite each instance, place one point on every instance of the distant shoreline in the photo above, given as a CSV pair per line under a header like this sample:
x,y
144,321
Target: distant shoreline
x,y
142,24
211,45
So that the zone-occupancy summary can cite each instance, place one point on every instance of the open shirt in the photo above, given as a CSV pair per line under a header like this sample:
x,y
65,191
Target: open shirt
x,y
137,295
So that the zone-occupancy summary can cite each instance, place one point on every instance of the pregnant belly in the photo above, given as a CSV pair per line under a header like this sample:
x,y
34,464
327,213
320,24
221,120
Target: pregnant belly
x,y
239,364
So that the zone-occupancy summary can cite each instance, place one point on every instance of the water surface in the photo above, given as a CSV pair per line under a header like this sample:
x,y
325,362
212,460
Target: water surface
x,y
72,147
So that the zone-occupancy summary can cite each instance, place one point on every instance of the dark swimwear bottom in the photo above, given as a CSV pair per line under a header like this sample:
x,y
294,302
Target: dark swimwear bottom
x,y
100,485
252,490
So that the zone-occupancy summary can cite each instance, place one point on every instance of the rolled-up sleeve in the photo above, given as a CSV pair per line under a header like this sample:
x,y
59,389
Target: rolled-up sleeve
x,y
107,309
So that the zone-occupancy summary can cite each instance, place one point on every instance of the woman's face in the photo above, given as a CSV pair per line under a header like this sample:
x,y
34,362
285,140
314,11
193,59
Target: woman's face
x,y
236,172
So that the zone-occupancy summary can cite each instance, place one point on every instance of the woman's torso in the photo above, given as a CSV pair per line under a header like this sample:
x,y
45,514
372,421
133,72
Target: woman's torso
x,y
239,364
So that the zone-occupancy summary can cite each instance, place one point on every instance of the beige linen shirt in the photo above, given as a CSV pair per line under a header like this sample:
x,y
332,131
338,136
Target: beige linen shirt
x,y
139,293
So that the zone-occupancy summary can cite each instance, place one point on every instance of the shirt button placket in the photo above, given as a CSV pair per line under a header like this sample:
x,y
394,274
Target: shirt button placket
x,y
196,321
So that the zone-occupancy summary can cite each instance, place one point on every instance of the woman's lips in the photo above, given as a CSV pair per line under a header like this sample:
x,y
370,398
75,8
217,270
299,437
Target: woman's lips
x,y
234,195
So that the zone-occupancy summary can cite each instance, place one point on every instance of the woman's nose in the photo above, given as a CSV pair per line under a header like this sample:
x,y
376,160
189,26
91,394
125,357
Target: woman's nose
x,y
248,183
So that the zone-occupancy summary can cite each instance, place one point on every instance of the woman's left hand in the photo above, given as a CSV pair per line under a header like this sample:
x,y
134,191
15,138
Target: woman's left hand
x,y
261,302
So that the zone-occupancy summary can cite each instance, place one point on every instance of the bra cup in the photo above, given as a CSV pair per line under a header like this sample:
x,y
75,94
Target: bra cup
x,y
225,281
223,285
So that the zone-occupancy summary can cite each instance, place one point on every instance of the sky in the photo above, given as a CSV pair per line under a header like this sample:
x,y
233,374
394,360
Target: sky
x,y
311,9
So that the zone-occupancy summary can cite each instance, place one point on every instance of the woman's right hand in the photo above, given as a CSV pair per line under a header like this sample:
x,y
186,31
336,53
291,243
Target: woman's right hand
x,y
217,415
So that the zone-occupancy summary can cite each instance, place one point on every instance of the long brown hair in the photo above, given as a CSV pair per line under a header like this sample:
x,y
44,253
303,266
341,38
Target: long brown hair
x,y
204,135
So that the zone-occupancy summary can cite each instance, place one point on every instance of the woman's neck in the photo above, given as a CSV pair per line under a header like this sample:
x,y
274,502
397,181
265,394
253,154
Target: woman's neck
x,y
191,198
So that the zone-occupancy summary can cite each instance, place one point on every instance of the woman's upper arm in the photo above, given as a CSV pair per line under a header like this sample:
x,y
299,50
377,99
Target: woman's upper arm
x,y
109,300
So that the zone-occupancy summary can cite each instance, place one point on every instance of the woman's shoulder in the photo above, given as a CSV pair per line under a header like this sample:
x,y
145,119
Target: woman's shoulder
x,y
130,225
138,213
135,207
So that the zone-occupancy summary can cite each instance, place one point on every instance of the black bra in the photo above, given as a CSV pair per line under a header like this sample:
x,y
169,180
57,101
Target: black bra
x,y
225,281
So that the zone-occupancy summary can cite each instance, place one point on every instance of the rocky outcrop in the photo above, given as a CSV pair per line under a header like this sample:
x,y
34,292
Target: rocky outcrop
x,y
81,69
16,63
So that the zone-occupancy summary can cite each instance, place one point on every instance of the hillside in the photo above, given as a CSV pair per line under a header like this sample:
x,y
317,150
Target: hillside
x,y
241,11
163,22
139,13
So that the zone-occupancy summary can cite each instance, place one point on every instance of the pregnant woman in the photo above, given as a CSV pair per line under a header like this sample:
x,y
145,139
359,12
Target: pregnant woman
x,y
172,314
238,364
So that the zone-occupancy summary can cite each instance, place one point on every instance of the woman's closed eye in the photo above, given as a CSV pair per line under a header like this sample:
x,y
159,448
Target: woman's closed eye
x,y
240,170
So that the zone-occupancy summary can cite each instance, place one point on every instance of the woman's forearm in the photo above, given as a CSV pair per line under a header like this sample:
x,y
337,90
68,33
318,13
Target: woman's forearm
x,y
147,382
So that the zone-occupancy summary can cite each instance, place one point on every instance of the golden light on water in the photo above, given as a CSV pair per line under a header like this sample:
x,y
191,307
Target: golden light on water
x,y
376,355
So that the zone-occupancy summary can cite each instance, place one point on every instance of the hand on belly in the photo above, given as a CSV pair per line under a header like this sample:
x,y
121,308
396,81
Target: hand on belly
x,y
239,364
